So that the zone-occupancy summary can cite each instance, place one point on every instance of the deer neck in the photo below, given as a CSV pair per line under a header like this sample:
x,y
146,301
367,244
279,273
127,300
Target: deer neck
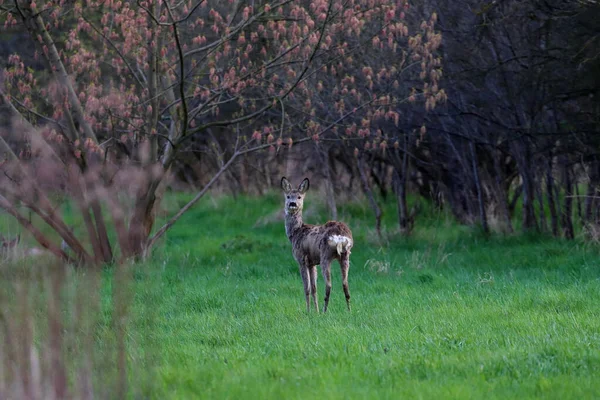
x,y
293,222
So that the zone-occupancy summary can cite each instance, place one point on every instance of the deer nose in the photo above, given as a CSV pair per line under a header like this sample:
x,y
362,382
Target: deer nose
x,y
292,204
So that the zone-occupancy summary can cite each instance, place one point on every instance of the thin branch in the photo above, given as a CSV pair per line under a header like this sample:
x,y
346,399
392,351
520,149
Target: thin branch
x,y
198,196
114,46
34,138
36,233
37,27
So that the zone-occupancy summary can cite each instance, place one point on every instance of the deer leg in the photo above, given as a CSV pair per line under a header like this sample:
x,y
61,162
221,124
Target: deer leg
x,y
313,286
326,269
306,281
345,266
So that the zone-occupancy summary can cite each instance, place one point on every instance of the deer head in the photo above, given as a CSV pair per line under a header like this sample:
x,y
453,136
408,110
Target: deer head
x,y
6,244
294,198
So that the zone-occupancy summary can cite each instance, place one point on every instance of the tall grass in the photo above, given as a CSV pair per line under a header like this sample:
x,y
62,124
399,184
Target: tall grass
x,y
63,331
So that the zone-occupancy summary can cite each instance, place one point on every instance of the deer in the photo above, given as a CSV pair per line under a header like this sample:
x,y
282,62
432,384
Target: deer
x,y
8,246
9,249
314,245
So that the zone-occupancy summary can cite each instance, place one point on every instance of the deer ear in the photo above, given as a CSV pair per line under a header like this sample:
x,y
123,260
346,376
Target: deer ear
x,y
304,186
286,185
11,243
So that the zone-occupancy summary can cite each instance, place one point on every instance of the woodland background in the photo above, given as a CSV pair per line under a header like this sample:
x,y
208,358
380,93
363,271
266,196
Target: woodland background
x,y
475,106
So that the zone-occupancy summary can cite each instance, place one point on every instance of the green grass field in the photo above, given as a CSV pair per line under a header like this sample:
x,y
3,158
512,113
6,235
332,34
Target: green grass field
x,y
219,312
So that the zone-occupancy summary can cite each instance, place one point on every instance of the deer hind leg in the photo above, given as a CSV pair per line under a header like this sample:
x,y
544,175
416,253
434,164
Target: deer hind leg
x,y
306,281
345,266
326,269
313,286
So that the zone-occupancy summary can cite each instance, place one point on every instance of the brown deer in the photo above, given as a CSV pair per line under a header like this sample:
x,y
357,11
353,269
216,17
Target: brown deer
x,y
315,244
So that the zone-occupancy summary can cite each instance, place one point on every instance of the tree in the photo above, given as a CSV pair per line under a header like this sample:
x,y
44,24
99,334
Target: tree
x,y
117,89
523,94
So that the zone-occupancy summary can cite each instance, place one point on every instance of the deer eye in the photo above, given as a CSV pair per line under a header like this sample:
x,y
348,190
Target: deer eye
x,y
298,197
288,197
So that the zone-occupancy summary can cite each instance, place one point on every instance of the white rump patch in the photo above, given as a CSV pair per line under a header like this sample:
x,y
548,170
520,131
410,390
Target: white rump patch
x,y
341,243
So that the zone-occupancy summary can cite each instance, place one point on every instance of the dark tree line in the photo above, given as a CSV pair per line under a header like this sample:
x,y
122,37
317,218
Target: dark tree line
x,y
522,120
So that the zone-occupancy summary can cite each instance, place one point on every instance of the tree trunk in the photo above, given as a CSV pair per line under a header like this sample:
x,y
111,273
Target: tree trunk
x,y
502,194
370,195
540,199
589,201
567,218
329,187
378,175
480,200
513,202
400,185
107,255
400,180
550,194
591,194
143,219
523,157
578,200
121,230
529,219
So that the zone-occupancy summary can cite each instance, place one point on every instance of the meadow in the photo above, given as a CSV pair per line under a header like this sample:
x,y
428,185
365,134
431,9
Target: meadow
x,y
219,312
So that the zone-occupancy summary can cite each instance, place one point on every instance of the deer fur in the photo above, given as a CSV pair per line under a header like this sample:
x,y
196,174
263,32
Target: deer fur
x,y
315,244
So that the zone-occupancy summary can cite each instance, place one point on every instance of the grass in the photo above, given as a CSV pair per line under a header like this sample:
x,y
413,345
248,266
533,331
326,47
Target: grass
x,y
219,312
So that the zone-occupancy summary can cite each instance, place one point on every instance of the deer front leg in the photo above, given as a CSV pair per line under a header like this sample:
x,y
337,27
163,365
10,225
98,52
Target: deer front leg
x,y
345,266
313,286
306,281
326,269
